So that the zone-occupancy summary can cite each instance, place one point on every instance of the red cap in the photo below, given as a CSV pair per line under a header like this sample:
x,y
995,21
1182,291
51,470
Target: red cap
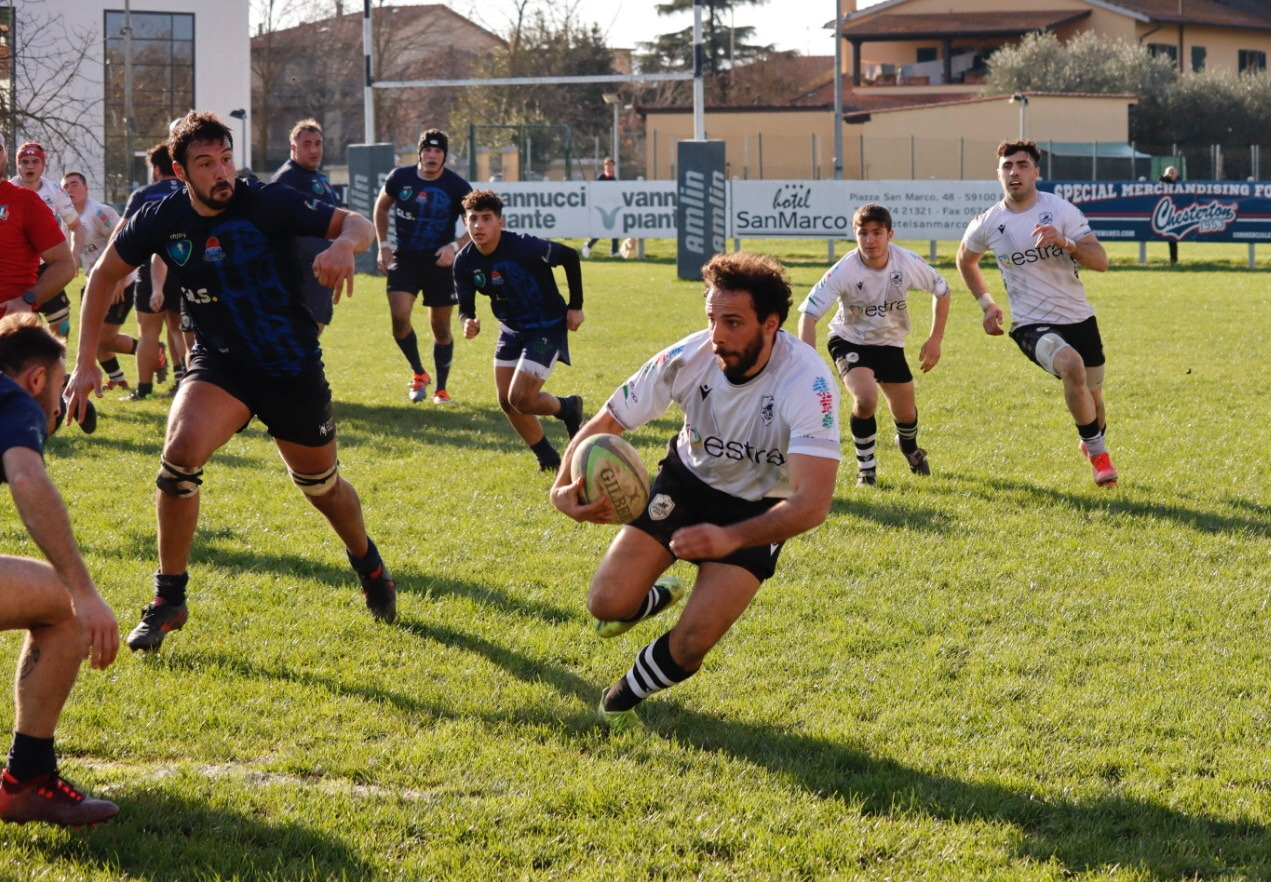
x,y
30,148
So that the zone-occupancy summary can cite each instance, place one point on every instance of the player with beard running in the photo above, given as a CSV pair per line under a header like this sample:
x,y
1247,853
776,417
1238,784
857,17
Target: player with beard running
x,y
231,247
754,465
1041,241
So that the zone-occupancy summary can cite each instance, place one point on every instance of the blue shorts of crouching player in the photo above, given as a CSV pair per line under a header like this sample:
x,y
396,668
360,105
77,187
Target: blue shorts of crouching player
x,y
534,354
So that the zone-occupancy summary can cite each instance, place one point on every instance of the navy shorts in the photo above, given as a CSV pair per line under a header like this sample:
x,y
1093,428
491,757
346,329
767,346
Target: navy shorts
x,y
534,353
295,409
678,498
416,272
887,362
1083,337
141,297
116,313
317,298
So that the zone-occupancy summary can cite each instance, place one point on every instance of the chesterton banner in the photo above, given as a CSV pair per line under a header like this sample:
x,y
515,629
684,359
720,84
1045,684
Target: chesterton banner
x,y
1204,211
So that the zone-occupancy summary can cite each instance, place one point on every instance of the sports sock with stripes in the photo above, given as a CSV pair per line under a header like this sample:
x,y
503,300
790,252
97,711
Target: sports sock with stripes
x,y
908,435
653,671
654,602
1093,438
865,436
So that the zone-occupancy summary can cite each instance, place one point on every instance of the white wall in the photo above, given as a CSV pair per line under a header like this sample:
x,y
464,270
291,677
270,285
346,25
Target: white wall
x,y
222,64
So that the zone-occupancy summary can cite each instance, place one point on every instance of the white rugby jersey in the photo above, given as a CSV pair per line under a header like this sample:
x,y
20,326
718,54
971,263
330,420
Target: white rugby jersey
x,y
98,221
873,305
57,199
738,438
1041,283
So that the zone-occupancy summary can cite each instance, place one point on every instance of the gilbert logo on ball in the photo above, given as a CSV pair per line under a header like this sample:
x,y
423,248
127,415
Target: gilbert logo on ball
x,y
612,468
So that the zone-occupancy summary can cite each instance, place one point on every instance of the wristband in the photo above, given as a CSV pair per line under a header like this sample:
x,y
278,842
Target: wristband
x,y
985,300
1070,246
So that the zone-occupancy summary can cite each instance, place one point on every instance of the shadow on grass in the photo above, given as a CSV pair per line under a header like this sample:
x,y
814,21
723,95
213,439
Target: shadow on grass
x,y
161,837
1113,501
1101,834
479,426
1095,835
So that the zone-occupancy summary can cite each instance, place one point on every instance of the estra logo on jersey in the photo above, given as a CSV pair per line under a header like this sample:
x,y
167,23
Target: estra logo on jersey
x,y
723,448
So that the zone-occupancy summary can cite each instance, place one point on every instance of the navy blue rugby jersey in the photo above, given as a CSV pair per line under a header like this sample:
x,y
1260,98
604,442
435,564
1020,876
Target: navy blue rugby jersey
x,y
517,277
313,184
425,212
23,422
151,192
238,271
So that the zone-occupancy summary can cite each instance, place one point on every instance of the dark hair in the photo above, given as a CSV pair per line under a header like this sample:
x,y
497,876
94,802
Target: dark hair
x,y
1006,148
872,212
434,138
194,126
763,276
159,157
483,200
25,338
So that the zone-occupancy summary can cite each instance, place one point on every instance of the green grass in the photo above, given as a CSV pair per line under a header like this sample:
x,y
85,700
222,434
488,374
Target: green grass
x,y
1000,672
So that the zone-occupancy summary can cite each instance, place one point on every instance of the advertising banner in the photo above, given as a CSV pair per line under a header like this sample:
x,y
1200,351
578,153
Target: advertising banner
x,y
589,209
1205,211
369,167
701,206
933,210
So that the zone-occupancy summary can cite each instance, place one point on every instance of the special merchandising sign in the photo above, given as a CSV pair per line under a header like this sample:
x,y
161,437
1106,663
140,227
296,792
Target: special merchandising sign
x,y
1207,211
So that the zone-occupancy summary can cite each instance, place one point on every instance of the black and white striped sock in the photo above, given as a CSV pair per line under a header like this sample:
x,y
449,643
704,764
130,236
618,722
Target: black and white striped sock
x,y
865,435
653,671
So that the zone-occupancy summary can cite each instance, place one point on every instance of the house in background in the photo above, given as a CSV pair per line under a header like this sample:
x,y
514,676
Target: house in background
x,y
182,54
913,103
317,70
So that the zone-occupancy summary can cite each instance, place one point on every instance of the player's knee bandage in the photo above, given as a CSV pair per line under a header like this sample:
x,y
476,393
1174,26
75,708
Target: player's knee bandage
x,y
177,481
317,484
1048,346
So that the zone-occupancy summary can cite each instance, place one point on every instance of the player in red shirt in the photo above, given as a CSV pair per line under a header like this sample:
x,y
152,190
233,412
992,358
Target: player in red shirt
x,y
28,234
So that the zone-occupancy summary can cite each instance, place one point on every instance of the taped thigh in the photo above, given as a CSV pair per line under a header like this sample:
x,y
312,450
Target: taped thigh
x,y
1094,378
1047,347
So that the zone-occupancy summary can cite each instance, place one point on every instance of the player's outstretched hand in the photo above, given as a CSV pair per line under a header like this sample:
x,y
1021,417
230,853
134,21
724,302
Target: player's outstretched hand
x,y
929,354
993,317
569,499
85,380
101,630
334,268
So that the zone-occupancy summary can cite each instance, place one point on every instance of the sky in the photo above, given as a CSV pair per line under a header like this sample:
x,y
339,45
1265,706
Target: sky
x,y
787,24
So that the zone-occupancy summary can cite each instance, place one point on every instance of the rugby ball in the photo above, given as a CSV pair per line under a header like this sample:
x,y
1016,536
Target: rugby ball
x,y
611,467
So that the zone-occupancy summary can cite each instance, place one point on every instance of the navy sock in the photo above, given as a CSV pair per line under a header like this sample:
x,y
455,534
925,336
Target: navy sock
x,y
171,588
546,453
30,756
368,563
409,345
442,355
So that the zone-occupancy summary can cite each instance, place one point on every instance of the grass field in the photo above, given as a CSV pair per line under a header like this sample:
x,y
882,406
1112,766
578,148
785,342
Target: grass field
x,y
999,672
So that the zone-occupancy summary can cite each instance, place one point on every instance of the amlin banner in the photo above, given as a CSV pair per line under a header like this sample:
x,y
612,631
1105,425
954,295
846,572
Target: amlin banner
x,y
1206,211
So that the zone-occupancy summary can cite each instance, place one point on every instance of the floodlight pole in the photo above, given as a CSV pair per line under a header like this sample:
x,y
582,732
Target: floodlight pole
x,y
699,89
838,91
368,94
1022,100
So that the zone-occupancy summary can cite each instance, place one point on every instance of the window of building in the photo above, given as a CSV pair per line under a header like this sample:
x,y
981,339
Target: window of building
x,y
1252,59
1198,58
1163,50
927,53
162,90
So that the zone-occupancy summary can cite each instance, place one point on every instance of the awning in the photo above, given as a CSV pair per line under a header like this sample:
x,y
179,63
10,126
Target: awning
x,y
1101,149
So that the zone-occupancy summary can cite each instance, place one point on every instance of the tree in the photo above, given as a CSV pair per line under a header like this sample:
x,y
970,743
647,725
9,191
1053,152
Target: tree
x,y
544,43
724,47
1191,110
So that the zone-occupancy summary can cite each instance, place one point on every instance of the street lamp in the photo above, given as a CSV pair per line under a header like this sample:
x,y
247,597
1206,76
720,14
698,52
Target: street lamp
x,y
615,100
1022,100
241,116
